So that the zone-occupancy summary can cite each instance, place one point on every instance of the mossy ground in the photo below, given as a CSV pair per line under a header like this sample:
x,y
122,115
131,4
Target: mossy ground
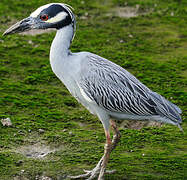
x,y
153,47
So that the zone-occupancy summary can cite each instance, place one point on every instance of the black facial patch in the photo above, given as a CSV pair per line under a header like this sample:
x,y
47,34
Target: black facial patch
x,y
52,11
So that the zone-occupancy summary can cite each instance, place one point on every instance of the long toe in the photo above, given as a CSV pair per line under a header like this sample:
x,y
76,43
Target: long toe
x,y
91,174
80,176
94,173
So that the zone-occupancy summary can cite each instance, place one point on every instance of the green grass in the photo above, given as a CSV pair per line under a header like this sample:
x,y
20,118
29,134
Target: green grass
x,y
34,99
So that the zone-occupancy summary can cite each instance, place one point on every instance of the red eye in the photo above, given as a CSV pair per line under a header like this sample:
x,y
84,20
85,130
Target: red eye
x,y
44,17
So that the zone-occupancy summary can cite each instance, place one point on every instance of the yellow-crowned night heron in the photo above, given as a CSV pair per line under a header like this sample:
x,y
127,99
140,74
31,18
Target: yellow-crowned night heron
x,y
104,88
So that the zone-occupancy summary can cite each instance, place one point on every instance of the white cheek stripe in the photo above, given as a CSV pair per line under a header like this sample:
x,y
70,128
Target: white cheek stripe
x,y
38,11
58,17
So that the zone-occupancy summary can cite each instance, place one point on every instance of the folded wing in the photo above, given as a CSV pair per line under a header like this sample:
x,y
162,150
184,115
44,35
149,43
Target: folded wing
x,y
116,90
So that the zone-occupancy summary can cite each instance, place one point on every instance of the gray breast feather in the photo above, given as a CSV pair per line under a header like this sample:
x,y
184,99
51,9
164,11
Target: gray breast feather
x,y
115,89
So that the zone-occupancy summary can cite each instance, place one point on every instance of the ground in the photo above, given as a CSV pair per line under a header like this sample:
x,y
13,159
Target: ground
x,y
52,135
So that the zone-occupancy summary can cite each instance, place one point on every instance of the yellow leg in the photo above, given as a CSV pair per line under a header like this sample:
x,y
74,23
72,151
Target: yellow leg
x,y
101,165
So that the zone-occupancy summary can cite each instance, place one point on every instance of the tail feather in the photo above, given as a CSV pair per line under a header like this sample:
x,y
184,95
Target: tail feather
x,y
167,108
175,107
179,126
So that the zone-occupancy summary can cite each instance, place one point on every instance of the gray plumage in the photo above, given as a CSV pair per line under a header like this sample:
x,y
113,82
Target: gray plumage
x,y
116,90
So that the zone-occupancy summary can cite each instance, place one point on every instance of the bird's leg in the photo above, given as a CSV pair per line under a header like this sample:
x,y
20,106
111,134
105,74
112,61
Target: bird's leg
x,y
109,146
116,136
101,165
107,151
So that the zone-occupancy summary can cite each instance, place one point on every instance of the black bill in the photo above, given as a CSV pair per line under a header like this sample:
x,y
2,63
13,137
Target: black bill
x,y
23,25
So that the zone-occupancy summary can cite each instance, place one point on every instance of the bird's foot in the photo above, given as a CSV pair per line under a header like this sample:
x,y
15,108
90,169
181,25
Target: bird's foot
x,y
99,170
91,174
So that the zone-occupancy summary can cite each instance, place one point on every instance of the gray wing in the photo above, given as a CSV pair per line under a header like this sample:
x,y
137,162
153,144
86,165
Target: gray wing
x,y
115,89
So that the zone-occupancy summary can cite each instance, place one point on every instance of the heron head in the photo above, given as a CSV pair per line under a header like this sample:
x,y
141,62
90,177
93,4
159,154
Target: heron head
x,y
54,15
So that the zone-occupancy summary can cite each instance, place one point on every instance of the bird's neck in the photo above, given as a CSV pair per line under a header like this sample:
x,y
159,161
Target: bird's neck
x,y
61,43
60,52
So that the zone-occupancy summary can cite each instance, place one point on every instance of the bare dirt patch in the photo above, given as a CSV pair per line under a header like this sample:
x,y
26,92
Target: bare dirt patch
x,y
35,32
129,12
36,178
139,124
36,151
